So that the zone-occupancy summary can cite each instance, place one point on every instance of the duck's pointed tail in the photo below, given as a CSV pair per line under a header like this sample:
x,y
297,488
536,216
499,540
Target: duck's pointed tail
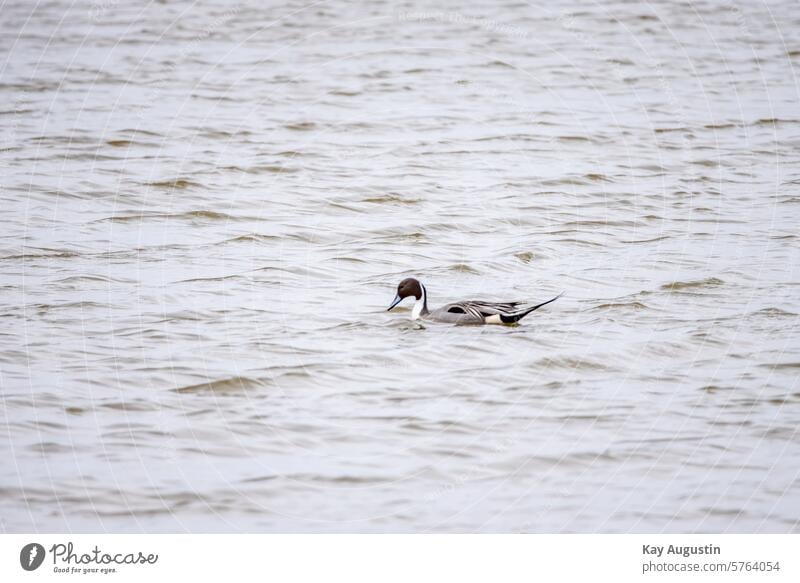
x,y
511,318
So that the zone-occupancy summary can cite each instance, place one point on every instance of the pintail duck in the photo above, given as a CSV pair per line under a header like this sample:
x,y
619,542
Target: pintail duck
x,y
469,312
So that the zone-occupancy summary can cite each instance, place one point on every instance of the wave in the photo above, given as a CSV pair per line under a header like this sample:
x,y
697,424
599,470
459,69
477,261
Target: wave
x,y
700,283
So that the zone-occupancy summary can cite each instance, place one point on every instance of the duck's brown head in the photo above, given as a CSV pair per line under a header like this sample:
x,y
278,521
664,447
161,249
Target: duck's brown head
x,y
407,287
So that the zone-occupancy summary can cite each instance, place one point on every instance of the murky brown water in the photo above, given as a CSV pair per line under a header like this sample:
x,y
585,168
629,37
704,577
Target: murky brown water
x,y
206,209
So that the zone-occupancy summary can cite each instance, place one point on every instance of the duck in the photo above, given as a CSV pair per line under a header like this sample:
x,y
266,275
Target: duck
x,y
467,312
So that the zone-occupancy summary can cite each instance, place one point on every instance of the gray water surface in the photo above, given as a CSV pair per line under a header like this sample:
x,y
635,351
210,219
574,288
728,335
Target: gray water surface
x,y
206,208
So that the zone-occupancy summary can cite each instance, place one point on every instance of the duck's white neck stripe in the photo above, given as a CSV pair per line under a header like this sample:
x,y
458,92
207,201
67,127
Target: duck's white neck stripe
x,y
416,311
419,305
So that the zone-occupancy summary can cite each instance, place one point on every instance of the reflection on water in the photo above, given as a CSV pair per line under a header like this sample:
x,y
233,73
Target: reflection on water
x,y
206,209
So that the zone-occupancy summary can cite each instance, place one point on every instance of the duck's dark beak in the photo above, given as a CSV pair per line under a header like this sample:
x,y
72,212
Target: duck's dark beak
x,y
397,300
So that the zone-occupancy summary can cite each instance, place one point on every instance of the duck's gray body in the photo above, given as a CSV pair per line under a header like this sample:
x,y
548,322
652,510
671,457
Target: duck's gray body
x,y
477,312
468,312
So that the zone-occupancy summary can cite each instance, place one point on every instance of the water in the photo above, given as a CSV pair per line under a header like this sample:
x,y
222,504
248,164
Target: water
x,y
207,207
